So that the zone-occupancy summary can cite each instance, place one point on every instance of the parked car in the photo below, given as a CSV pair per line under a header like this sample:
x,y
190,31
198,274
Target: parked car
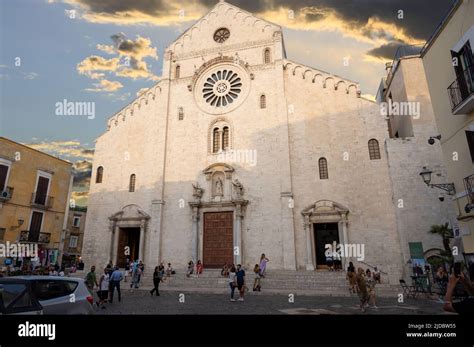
x,y
17,297
60,295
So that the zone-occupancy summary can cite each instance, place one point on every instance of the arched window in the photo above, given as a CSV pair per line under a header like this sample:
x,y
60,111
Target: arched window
x,y
225,139
177,72
131,187
323,169
374,150
215,140
266,56
263,101
100,173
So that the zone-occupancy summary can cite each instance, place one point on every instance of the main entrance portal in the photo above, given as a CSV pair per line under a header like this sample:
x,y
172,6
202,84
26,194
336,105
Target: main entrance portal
x,y
324,233
128,245
218,239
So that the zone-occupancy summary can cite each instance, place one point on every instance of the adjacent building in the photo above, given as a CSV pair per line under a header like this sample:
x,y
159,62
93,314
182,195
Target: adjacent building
x,y
405,100
74,235
449,66
34,198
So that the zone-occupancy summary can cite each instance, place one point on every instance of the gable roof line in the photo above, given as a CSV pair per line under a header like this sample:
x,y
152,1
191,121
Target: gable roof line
x,y
219,3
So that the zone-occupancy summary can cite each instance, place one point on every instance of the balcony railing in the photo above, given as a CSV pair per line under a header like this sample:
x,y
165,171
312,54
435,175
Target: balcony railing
x,y
469,184
34,236
41,200
6,193
461,92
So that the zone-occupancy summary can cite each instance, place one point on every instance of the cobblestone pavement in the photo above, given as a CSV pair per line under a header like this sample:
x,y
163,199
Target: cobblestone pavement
x,y
141,302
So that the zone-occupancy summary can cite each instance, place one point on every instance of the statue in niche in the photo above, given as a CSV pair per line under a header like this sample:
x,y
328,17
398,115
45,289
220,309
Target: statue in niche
x,y
219,187
239,188
198,191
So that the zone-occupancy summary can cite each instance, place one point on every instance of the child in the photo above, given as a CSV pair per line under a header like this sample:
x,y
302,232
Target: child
x,y
256,283
169,271
199,268
190,269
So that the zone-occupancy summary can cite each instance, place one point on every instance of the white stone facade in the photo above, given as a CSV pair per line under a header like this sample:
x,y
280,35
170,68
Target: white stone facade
x,y
165,137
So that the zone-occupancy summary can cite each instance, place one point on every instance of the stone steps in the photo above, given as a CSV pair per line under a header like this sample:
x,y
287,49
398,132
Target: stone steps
x,y
283,282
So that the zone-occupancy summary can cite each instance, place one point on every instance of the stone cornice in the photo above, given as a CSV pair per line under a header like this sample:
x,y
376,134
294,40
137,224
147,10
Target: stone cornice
x,y
216,50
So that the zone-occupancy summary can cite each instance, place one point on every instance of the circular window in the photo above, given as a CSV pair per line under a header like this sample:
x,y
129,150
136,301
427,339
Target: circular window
x,y
221,35
222,88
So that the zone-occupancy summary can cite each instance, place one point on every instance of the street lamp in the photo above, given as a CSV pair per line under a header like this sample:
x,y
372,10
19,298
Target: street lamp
x,y
426,176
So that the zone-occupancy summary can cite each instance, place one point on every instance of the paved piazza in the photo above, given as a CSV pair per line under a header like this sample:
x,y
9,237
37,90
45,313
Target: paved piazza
x,y
140,302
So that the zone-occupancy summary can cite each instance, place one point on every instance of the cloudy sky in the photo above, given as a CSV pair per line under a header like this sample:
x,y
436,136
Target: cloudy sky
x,y
107,51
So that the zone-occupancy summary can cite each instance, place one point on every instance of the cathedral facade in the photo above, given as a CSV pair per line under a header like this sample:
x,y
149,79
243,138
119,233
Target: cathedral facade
x,y
238,151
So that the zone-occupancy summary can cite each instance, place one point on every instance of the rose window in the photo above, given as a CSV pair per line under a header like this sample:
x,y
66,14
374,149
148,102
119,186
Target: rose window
x,y
222,88
221,35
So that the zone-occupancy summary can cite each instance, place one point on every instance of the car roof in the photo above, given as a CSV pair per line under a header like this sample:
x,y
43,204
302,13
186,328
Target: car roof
x,y
55,278
13,280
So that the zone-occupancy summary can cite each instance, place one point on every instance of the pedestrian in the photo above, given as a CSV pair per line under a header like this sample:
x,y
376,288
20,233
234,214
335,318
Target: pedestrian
x,y
91,279
169,271
109,267
466,306
135,275
351,277
199,268
157,278
256,282
240,274
103,291
330,262
363,294
115,279
263,264
376,275
370,282
441,278
225,271
232,282
190,269
127,270
53,271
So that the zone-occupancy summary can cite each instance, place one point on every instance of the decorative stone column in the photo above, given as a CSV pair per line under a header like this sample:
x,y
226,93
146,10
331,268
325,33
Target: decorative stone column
x,y
238,234
141,248
112,239
154,228
115,236
309,246
344,235
195,233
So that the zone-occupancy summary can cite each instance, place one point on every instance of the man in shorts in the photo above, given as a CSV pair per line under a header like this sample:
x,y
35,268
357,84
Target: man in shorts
x,y
240,275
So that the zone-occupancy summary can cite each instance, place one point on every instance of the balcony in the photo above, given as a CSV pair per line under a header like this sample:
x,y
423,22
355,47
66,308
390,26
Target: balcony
x,y
34,236
41,201
461,92
6,194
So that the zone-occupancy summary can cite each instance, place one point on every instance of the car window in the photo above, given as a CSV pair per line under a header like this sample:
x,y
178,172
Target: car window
x,y
24,301
51,289
71,286
10,292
